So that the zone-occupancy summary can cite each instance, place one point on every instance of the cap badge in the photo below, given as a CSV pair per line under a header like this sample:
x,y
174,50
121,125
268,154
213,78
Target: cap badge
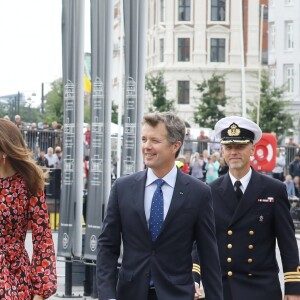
x,y
233,130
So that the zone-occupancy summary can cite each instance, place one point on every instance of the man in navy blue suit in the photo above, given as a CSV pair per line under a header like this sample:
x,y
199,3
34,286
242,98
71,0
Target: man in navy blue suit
x,y
252,214
161,267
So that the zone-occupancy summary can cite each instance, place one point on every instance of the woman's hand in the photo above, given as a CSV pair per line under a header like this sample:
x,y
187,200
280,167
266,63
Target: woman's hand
x,y
37,297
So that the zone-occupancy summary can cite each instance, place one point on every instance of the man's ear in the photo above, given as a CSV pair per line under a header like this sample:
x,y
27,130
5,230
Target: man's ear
x,y
177,146
252,150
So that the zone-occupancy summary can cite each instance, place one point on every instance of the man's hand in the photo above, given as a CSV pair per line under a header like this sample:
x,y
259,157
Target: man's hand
x,y
292,297
198,291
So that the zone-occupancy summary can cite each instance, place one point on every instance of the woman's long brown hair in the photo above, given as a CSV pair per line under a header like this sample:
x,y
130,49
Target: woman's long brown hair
x,y
20,157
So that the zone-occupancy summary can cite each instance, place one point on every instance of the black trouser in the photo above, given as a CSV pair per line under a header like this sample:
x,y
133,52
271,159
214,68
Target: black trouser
x,y
152,294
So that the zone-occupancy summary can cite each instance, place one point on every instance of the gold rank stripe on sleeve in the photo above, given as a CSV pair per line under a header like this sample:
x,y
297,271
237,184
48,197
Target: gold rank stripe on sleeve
x,y
196,268
292,276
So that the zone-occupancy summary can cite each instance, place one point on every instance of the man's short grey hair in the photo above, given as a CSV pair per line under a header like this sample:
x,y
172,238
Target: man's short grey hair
x,y
175,125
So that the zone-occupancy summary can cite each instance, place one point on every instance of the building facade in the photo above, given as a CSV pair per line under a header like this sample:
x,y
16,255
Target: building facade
x,y
284,50
190,40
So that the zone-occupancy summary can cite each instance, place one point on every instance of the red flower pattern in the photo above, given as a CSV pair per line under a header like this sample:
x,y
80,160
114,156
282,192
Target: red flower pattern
x,y
20,278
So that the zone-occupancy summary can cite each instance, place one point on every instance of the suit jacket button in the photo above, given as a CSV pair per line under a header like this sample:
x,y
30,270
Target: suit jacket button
x,y
229,259
229,232
250,260
251,232
250,247
249,274
229,246
229,273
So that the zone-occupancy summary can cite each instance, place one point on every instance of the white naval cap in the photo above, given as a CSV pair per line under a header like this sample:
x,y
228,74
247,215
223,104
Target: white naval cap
x,y
237,130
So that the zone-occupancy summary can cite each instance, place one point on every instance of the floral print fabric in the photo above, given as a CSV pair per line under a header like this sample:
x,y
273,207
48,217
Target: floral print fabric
x,y
21,279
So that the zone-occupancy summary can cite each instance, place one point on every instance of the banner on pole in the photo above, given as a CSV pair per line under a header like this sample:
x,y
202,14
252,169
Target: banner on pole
x,y
129,149
100,156
72,58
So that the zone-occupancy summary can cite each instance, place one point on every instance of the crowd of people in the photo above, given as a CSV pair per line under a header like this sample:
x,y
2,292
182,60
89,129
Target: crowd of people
x,y
207,165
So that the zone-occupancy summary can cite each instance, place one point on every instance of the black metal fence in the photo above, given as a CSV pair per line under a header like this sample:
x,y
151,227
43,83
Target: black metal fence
x,y
38,140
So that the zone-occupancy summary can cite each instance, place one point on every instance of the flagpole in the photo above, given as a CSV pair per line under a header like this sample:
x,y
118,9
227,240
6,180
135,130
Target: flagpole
x,y
77,246
120,92
262,7
242,59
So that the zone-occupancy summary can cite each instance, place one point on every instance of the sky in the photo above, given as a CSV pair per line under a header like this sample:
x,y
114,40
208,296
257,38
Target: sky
x,y
30,47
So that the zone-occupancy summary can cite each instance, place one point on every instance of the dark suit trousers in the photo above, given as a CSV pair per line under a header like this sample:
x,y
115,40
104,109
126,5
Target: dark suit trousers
x,y
152,294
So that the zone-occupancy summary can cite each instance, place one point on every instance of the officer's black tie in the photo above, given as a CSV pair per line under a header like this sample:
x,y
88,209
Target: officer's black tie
x,y
238,191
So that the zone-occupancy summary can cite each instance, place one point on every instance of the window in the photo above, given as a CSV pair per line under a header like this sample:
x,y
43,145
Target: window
x,y
184,10
272,37
162,11
289,35
217,50
183,49
161,50
218,12
289,78
183,92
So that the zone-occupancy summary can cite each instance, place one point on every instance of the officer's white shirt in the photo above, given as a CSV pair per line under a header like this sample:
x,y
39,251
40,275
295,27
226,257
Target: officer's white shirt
x,y
244,180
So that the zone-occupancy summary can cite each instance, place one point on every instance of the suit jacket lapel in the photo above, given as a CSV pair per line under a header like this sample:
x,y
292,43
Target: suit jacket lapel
x,y
249,198
138,192
226,188
179,194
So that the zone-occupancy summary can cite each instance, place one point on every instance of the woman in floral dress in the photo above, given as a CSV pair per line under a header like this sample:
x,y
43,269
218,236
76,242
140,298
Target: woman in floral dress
x,y
22,206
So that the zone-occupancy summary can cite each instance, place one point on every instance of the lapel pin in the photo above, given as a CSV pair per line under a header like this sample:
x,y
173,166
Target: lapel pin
x,y
261,218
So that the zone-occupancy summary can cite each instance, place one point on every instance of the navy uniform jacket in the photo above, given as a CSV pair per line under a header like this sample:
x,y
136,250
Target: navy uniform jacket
x,y
168,259
247,234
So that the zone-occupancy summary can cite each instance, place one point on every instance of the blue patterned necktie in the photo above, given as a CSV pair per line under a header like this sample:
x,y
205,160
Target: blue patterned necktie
x,y
157,210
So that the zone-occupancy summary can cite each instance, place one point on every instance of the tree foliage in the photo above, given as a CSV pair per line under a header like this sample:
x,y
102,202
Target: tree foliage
x,y
273,114
54,107
212,101
158,89
114,113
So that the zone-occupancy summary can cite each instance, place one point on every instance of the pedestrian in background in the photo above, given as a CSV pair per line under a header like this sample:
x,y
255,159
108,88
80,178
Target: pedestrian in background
x,y
252,213
158,213
42,160
23,205
196,165
212,168
289,183
294,166
188,144
297,186
278,171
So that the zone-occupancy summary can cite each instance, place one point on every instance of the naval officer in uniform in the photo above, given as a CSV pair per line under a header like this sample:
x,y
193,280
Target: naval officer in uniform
x,y
252,214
